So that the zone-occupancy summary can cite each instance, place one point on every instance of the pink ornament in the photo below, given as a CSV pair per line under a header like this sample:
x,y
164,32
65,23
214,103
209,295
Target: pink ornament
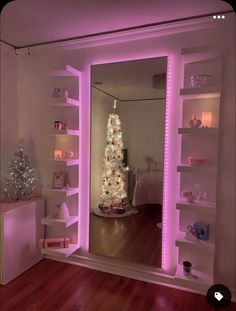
x,y
194,122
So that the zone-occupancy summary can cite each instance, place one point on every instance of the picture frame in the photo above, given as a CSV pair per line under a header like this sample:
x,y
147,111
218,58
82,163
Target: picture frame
x,y
58,180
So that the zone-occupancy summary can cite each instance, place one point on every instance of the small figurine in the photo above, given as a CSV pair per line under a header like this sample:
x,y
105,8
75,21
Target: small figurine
x,y
191,234
188,194
65,93
194,122
56,92
190,197
202,230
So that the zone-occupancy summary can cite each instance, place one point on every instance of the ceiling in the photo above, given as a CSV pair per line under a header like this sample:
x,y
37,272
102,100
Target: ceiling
x,y
30,22
130,80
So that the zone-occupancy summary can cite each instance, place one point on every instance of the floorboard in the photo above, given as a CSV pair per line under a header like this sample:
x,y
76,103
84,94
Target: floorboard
x,y
135,238
57,286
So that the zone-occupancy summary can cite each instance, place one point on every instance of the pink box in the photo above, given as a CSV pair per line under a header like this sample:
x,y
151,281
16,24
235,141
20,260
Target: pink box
x,y
54,242
196,161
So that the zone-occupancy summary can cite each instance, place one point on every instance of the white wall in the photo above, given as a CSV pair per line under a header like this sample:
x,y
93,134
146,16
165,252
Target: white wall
x,y
9,108
143,125
168,45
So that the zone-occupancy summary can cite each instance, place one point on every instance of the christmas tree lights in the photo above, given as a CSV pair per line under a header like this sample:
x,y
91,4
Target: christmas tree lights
x,y
21,181
113,177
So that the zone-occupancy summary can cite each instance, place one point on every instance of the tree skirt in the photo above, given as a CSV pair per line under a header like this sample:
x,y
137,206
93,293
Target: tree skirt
x,y
98,212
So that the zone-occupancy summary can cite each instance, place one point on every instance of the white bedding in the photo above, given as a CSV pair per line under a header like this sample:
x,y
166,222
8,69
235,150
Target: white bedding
x,y
148,190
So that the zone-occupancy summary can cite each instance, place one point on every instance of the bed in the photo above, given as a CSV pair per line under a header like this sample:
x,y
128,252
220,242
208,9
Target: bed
x,y
148,187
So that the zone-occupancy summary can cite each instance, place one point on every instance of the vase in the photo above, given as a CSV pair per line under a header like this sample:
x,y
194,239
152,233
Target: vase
x,y
63,212
194,122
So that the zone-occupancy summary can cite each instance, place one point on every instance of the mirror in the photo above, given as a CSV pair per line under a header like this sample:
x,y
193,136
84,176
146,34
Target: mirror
x,y
127,160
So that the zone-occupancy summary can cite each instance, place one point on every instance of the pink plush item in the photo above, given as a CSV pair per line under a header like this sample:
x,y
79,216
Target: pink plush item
x,y
196,161
54,242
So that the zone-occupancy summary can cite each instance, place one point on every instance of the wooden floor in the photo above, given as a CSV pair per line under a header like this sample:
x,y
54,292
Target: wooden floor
x,y
56,286
134,238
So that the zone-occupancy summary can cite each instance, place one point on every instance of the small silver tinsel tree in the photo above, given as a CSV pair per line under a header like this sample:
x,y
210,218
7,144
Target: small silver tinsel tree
x,y
21,183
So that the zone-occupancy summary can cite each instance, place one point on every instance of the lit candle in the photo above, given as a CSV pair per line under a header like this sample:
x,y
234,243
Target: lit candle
x,y
206,119
58,154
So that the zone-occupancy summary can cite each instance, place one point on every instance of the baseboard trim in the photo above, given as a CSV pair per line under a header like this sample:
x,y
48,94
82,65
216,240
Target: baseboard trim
x,y
133,271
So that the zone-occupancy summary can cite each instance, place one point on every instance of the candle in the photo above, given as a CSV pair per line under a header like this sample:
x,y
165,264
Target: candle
x,y
206,119
58,154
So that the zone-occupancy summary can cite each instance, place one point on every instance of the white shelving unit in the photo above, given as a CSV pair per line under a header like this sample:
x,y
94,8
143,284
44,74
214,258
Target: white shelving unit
x,y
200,93
205,246
60,252
185,168
65,102
197,277
51,220
68,227
198,206
70,162
201,141
198,131
66,132
61,192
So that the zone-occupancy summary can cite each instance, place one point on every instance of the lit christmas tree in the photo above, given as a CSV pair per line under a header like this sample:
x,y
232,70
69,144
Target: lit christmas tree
x,y
21,181
113,177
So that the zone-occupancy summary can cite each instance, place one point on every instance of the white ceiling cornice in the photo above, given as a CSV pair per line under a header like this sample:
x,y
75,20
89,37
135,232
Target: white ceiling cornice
x,y
135,34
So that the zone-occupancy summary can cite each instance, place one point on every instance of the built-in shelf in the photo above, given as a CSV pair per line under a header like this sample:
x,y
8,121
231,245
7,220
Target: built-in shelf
x,y
60,252
197,206
199,131
52,220
66,132
67,72
61,192
197,277
64,102
69,162
201,92
185,168
200,245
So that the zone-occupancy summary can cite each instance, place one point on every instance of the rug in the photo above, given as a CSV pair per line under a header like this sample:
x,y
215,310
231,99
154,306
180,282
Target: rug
x,y
98,212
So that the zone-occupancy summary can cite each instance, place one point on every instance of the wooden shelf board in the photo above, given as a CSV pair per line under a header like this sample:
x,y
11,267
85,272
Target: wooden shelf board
x,y
60,252
66,132
64,102
64,162
61,192
67,72
201,245
51,220
202,278
197,206
198,131
203,92
185,168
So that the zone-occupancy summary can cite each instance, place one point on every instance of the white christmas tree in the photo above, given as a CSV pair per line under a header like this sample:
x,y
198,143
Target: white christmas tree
x,y
21,183
113,177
